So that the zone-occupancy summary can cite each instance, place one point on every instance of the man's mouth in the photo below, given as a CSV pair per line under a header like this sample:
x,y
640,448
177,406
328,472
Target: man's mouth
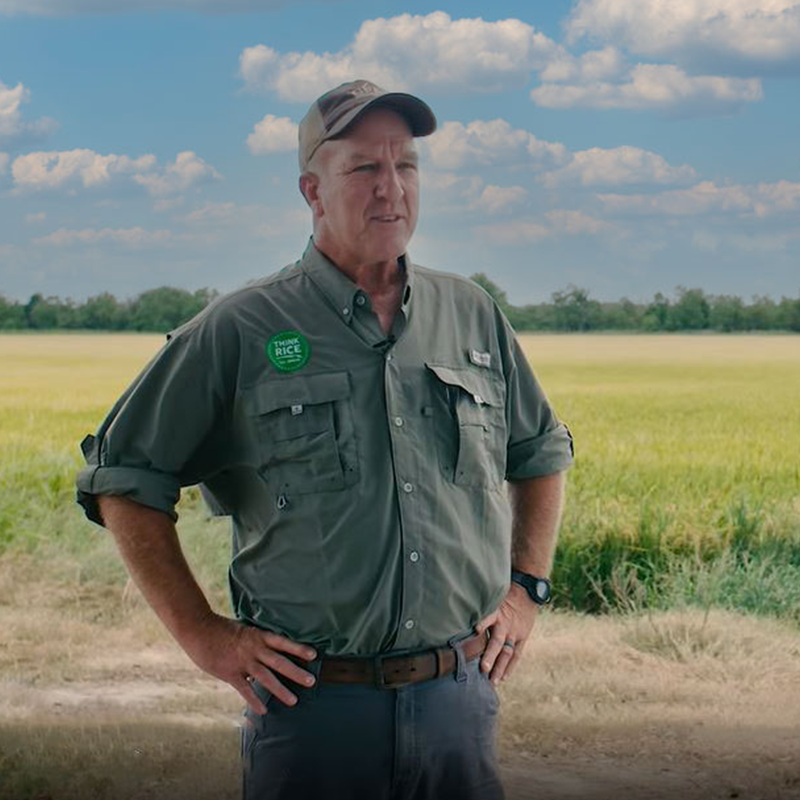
x,y
387,218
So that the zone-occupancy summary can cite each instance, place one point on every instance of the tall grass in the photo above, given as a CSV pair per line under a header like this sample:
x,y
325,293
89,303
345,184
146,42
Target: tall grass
x,y
686,489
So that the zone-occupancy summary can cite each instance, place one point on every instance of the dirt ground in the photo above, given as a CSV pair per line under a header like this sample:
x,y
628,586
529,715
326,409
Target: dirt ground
x,y
99,704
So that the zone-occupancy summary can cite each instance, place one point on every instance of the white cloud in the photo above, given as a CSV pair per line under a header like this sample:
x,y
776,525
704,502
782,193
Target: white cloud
x,y
493,142
596,65
617,165
431,51
32,219
12,126
753,34
654,86
494,199
211,211
760,200
63,8
51,170
556,224
187,170
128,237
273,135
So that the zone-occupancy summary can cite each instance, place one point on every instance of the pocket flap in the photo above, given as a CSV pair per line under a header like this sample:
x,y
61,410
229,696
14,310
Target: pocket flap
x,y
296,391
481,387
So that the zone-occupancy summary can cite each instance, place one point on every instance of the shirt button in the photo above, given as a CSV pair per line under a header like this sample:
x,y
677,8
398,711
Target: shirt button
x,y
414,556
360,300
409,624
408,488
345,311
398,421
388,356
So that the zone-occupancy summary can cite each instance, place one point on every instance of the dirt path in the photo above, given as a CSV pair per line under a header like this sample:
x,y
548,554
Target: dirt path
x,y
674,705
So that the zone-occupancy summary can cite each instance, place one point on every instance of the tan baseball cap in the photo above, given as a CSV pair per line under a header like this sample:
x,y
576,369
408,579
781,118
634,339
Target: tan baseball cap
x,y
331,114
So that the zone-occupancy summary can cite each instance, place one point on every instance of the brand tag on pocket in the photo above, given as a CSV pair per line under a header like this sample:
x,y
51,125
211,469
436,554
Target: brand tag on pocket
x,y
297,409
480,359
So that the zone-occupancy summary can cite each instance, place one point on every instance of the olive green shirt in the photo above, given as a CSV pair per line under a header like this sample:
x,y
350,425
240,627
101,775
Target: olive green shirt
x,y
364,474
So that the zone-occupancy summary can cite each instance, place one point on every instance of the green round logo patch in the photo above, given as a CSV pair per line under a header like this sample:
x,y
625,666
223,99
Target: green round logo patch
x,y
288,350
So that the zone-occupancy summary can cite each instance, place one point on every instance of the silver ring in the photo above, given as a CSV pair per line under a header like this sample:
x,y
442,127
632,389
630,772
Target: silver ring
x,y
509,643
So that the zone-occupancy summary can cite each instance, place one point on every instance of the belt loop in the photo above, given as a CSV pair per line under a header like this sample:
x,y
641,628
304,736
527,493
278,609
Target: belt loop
x,y
461,662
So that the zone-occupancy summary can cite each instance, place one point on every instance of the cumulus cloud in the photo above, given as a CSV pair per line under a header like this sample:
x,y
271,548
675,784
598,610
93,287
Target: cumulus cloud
x,y
493,142
273,135
596,65
761,200
494,199
748,34
39,216
432,51
128,237
617,165
52,170
12,125
654,86
187,170
556,224
63,8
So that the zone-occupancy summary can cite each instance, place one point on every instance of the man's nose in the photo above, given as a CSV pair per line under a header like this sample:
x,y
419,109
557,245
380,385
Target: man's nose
x,y
390,184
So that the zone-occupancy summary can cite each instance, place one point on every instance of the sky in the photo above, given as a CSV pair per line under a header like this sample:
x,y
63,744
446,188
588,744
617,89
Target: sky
x,y
624,147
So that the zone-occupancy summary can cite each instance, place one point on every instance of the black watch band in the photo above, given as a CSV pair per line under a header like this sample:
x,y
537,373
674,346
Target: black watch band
x,y
539,589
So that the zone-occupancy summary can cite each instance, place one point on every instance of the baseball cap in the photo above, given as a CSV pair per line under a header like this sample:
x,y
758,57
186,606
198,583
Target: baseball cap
x,y
333,112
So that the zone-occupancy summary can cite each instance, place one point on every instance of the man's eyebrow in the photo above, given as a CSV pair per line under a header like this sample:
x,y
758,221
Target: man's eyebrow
x,y
408,155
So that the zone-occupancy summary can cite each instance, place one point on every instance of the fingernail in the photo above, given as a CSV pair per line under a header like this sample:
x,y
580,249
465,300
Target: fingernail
x,y
311,654
310,680
485,666
292,699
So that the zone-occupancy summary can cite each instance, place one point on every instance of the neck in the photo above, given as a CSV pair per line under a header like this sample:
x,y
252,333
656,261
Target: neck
x,y
375,278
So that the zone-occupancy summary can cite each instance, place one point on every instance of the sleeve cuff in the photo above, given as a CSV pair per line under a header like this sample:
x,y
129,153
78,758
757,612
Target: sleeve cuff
x,y
154,489
547,454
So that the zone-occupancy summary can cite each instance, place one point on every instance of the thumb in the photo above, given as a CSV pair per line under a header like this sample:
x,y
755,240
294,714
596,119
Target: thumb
x,y
486,622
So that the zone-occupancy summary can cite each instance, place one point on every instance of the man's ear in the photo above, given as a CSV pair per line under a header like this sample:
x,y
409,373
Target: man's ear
x,y
309,188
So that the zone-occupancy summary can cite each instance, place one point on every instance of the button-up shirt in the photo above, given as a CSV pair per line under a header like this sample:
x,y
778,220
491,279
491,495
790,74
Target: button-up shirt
x,y
363,472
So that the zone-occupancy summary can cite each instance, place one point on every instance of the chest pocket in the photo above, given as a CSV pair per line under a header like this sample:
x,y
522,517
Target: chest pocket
x,y
472,439
306,435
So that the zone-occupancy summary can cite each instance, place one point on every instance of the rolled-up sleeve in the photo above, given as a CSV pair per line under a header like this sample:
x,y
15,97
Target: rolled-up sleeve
x,y
538,442
170,427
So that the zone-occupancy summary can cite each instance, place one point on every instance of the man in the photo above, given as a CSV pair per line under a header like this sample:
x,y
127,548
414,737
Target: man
x,y
356,415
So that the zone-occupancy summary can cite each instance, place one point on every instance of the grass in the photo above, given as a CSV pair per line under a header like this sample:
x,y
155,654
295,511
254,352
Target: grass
x,y
686,489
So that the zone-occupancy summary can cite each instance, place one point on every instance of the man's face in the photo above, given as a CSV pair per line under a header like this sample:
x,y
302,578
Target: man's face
x,y
367,193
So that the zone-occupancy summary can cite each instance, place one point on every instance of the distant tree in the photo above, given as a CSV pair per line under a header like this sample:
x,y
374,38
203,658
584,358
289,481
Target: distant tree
x,y
656,315
726,313
12,314
574,311
102,312
166,308
622,315
761,314
690,311
788,314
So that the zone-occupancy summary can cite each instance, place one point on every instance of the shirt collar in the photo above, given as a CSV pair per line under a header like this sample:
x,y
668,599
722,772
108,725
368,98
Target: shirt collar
x,y
338,288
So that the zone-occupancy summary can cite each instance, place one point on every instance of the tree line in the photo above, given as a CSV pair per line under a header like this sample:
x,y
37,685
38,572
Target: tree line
x,y
570,309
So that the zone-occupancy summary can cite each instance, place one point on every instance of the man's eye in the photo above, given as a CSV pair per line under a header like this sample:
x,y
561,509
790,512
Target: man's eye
x,y
364,168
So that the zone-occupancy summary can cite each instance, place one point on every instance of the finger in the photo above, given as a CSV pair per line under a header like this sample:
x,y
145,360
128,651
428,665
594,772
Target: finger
x,y
282,665
268,680
501,665
486,622
278,642
251,698
494,647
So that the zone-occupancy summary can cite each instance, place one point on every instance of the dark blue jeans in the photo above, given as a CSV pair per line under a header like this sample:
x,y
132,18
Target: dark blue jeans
x,y
433,740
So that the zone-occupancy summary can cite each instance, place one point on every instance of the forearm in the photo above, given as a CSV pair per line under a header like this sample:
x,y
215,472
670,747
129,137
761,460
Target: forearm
x,y
536,504
149,545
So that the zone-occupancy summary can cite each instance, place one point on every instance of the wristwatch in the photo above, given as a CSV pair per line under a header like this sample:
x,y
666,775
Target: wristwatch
x,y
539,589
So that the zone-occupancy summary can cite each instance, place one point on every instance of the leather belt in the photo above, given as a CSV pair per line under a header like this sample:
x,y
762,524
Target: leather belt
x,y
387,671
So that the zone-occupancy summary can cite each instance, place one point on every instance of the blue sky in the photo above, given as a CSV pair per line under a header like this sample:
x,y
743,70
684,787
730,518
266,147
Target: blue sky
x,y
623,147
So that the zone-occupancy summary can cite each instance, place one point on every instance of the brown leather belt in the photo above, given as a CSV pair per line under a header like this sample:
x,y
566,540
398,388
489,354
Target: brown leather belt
x,y
387,671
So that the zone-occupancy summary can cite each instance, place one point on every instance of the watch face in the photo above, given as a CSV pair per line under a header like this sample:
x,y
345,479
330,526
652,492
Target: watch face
x,y
542,589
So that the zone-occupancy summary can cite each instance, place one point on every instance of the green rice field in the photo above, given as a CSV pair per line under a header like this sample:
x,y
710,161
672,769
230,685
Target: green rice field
x,y
686,489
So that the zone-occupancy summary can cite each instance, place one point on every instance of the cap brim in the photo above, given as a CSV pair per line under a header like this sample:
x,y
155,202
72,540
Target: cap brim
x,y
421,119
